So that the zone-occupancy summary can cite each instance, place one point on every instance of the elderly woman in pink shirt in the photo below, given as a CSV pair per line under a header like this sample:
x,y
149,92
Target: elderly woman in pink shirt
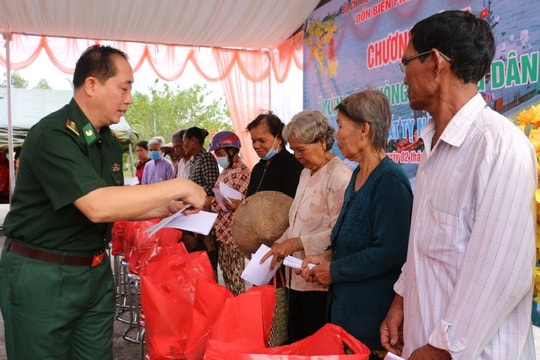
x,y
312,215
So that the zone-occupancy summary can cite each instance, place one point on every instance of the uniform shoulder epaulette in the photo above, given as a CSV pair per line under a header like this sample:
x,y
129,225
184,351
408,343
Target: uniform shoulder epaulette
x,y
72,126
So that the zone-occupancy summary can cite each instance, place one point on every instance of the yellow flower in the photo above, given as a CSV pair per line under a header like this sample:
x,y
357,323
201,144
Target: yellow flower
x,y
530,116
332,68
528,121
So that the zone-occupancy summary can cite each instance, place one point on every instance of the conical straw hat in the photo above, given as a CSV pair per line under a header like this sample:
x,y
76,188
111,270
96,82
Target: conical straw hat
x,y
260,219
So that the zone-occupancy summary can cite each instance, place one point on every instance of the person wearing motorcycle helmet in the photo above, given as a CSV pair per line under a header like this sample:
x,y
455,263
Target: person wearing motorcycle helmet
x,y
226,147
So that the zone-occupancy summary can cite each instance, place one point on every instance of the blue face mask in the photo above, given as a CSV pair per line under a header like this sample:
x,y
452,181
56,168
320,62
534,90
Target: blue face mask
x,y
223,161
271,153
154,155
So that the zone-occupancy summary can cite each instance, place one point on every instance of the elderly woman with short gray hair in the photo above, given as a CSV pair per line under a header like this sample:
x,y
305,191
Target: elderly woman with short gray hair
x,y
369,240
312,215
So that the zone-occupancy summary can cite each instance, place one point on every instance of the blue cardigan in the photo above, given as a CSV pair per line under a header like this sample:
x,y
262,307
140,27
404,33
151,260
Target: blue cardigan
x,y
369,246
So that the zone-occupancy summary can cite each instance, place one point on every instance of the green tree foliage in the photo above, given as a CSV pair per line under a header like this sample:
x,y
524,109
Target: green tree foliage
x,y
168,109
43,84
17,81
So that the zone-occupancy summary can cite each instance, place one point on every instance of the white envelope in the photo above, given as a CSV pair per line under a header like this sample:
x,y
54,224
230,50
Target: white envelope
x,y
223,191
295,262
256,273
200,223
131,181
391,356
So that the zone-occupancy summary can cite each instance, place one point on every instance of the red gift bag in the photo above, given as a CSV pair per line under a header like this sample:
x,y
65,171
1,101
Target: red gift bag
x,y
246,318
207,306
168,237
129,238
143,243
118,233
328,343
165,242
168,288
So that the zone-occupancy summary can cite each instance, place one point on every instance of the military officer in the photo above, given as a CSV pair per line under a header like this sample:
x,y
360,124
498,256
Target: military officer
x,y
57,294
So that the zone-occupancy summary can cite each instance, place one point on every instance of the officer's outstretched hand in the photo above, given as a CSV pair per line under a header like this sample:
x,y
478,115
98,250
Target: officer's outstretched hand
x,y
191,194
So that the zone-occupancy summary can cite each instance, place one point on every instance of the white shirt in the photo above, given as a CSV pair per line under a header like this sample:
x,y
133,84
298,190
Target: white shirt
x,y
183,168
468,280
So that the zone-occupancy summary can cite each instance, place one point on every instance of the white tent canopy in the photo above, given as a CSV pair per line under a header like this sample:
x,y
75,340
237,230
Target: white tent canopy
x,y
252,24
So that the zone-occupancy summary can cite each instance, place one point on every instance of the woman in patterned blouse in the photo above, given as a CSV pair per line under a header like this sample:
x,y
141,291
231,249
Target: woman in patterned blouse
x,y
226,146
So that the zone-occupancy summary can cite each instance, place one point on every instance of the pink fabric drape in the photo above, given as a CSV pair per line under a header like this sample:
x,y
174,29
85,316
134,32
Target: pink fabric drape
x,y
246,96
244,74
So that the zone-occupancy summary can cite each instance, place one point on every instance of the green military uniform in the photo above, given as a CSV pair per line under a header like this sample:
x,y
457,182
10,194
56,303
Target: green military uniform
x,y
45,302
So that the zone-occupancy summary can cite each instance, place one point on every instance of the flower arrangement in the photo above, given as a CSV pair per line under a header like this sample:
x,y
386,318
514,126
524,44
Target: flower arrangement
x,y
529,121
319,37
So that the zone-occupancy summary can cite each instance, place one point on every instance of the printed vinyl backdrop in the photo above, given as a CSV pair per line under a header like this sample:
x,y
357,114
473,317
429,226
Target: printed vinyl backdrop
x,y
356,44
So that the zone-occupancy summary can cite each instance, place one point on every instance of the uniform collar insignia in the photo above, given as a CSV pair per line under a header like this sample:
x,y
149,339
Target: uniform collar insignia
x,y
89,133
72,127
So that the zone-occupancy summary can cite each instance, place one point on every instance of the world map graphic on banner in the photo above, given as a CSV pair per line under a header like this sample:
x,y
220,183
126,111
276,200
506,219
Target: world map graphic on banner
x,y
357,44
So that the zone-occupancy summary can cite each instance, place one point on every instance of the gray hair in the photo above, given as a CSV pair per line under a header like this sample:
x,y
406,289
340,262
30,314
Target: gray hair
x,y
372,107
178,136
308,127
156,140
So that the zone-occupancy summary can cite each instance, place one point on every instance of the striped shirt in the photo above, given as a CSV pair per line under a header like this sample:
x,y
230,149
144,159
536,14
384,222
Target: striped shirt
x,y
468,280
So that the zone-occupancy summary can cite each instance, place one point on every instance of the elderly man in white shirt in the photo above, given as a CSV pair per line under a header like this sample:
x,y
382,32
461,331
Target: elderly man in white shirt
x,y
184,160
465,291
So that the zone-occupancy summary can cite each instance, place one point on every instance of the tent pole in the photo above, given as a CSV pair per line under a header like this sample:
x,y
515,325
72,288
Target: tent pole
x,y
131,159
11,152
271,58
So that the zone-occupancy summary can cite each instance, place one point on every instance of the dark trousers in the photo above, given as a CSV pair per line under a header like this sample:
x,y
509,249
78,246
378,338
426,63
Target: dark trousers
x,y
307,313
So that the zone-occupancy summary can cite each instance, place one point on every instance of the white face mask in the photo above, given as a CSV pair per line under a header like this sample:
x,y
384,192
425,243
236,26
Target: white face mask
x,y
223,161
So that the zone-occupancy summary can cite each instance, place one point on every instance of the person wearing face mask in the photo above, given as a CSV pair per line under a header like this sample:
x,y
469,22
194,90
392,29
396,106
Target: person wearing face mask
x,y
226,147
159,168
278,169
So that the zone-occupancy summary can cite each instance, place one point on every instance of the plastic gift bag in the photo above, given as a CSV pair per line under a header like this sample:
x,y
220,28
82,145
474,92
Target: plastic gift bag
x,y
329,343
246,318
118,233
165,242
168,288
143,243
168,237
207,306
129,238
